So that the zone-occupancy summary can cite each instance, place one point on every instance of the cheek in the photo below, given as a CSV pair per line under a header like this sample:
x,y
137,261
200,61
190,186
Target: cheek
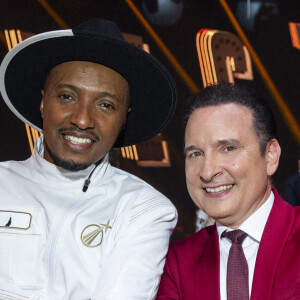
x,y
119,124
196,195
109,129
236,168
53,115
243,172
192,175
193,166
192,191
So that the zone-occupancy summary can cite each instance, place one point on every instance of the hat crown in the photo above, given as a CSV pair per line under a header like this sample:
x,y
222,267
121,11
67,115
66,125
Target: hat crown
x,y
100,27
153,91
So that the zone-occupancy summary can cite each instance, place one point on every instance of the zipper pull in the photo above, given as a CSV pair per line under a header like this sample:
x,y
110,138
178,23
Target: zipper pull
x,y
88,180
86,185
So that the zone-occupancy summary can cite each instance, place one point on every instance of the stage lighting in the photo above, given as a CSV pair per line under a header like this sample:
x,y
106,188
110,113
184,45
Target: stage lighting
x,y
163,12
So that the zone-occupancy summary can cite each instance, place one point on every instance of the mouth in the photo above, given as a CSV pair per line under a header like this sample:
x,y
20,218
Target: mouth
x,y
219,189
77,141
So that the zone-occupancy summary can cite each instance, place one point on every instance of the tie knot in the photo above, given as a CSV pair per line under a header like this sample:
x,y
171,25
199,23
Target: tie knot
x,y
236,236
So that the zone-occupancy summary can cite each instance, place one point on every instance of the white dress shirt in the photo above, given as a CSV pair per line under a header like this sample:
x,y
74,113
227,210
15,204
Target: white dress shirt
x,y
254,227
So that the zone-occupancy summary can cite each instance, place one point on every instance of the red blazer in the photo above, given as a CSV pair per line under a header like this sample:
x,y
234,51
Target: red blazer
x,y
192,269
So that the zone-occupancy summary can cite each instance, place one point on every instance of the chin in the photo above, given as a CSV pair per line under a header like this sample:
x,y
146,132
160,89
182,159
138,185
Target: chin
x,y
70,165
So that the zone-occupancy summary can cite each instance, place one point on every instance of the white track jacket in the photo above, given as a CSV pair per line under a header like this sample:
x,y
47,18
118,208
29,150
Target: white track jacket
x,y
58,242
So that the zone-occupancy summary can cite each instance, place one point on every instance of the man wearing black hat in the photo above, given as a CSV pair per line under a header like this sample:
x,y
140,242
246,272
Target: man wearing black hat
x,y
71,225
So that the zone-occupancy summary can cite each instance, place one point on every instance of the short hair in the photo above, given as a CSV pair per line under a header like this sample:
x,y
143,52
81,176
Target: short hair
x,y
263,120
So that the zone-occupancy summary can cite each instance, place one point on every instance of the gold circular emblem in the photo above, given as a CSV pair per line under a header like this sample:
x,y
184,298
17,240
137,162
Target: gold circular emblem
x,y
92,235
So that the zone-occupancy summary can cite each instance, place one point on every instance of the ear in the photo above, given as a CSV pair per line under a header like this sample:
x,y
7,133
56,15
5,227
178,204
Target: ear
x,y
272,156
42,104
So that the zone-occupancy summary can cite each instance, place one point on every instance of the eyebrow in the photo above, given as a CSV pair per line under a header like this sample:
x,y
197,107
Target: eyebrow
x,y
221,142
76,89
229,141
189,148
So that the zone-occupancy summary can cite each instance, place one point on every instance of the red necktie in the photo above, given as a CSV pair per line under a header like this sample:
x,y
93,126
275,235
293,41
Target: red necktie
x,y
237,267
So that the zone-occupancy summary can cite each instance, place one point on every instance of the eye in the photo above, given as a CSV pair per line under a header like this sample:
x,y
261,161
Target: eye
x,y
195,154
106,106
66,96
229,149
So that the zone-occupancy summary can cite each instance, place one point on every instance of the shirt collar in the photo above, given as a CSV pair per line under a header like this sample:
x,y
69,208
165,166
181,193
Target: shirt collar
x,y
255,224
50,174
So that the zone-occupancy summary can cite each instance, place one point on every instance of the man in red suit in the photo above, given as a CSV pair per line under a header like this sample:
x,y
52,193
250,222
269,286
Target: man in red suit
x,y
231,153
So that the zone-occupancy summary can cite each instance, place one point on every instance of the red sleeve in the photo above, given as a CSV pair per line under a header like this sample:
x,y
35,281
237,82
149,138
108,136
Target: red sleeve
x,y
169,288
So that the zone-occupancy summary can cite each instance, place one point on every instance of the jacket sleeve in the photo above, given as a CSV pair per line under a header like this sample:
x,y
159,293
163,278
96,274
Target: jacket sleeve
x,y
135,264
169,288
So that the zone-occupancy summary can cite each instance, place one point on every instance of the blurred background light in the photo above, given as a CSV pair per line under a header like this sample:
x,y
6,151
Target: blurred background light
x,y
252,14
163,12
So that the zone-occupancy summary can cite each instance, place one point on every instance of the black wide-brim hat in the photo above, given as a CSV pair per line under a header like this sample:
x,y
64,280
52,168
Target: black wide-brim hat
x,y
153,92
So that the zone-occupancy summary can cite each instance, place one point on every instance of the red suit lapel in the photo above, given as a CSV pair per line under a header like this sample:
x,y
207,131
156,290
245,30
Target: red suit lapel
x,y
275,234
207,277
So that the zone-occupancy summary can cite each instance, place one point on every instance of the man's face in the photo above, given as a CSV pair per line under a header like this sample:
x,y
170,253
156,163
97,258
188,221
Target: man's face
x,y
84,108
227,177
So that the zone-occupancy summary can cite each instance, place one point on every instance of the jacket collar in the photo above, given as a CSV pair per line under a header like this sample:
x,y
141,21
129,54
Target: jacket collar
x,y
274,237
49,174
207,277
276,232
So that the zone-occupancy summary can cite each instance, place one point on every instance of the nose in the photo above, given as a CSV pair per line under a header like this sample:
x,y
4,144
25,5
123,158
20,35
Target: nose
x,y
82,116
210,169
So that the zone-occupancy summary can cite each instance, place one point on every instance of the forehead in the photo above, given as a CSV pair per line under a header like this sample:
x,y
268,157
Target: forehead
x,y
221,121
84,70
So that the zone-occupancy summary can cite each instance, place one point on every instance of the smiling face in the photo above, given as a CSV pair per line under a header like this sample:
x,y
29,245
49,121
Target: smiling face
x,y
227,177
84,108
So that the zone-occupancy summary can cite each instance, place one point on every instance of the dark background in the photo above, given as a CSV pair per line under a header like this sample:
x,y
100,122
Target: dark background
x,y
267,30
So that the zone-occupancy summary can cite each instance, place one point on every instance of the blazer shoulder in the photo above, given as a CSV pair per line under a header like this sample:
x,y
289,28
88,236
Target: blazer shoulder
x,y
294,234
196,241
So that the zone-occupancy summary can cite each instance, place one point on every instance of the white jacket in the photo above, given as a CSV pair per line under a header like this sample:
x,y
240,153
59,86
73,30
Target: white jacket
x,y
58,242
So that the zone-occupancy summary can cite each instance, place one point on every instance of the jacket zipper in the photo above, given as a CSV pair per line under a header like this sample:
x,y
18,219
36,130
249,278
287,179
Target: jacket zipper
x,y
51,257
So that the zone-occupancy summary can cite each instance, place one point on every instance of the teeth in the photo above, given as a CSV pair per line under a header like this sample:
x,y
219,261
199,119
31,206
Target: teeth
x,y
219,188
76,140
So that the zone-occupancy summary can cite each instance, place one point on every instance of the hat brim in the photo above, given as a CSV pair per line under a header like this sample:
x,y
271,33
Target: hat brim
x,y
153,93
